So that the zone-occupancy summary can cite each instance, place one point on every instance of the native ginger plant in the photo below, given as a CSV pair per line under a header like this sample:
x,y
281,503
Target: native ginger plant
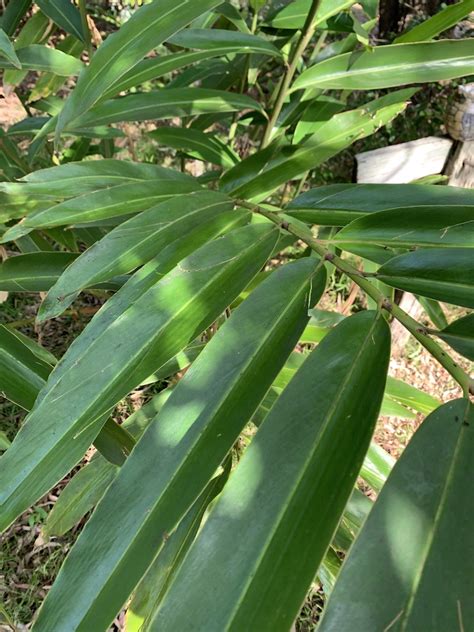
x,y
180,533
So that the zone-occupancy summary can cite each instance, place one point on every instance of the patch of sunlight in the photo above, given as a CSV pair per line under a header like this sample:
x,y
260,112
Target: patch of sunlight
x,y
406,529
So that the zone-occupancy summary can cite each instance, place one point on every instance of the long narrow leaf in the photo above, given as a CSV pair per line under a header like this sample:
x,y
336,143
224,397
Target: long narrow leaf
x,y
181,449
132,244
276,517
451,227
68,413
412,561
444,274
149,26
42,58
389,66
339,204
165,104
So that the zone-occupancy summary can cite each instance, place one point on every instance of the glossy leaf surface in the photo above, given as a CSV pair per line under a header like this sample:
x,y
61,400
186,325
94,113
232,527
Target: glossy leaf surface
x,y
390,66
460,336
182,448
443,274
132,244
148,27
413,558
104,203
83,389
429,227
275,511
340,204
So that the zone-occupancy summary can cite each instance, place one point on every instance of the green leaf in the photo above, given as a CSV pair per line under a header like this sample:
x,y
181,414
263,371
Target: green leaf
x,y
460,336
49,84
445,274
317,113
7,50
104,203
182,448
64,14
412,560
132,244
42,58
23,368
434,311
392,408
97,371
40,189
447,227
13,15
438,23
377,466
339,204
147,28
294,15
264,171
155,67
411,396
75,178
208,39
390,66
276,517
165,104
87,487
197,144
35,31
151,589
33,272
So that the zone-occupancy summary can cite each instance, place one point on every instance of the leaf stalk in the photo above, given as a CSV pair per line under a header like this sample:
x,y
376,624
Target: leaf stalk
x,y
418,331
305,37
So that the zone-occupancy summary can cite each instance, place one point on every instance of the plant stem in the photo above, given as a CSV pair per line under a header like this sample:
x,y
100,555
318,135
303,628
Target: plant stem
x,y
306,35
85,27
417,330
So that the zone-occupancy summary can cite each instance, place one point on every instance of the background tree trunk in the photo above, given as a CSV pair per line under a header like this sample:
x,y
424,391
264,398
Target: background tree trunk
x,y
394,14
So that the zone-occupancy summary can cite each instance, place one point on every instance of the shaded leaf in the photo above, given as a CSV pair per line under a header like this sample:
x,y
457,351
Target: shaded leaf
x,y
445,19
444,274
147,28
81,390
340,204
275,513
197,144
415,552
237,366
460,336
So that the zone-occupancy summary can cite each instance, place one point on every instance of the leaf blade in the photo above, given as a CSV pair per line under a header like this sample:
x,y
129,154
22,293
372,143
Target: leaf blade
x,y
160,508
272,485
400,585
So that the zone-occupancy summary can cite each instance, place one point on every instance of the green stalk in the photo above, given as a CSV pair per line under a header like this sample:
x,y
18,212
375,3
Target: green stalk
x,y
85,27
306,35
417,330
